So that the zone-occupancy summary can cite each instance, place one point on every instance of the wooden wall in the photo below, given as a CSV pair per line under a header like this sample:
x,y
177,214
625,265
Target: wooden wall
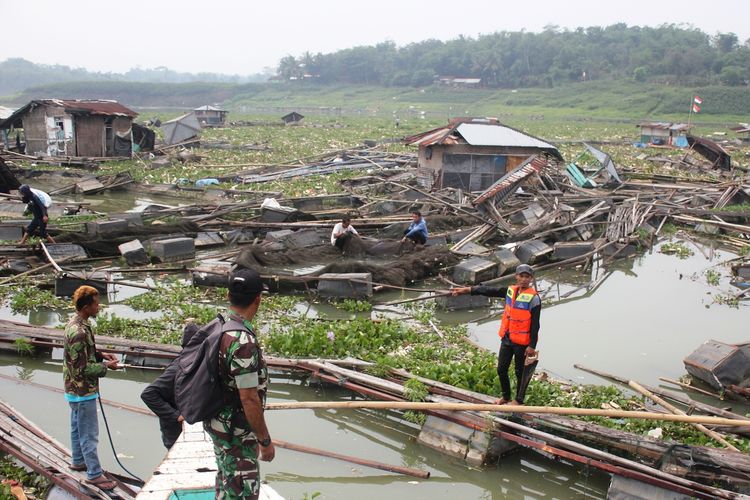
x,y
89,135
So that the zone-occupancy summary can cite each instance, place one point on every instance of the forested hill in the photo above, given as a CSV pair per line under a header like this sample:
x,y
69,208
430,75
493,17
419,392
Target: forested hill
x,y
18,74
668,54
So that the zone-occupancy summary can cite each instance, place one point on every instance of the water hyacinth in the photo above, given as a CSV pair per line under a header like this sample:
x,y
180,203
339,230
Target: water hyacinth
x,y
331,336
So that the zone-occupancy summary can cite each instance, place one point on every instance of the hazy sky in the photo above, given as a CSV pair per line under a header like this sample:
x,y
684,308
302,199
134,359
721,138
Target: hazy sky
x,y
244,36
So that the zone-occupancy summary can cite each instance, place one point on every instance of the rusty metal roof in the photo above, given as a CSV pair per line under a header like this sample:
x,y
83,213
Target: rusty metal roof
x,y
73,106
94,107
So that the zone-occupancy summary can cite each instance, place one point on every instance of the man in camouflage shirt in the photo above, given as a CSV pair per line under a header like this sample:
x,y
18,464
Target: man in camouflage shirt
x,y
82,367
239,430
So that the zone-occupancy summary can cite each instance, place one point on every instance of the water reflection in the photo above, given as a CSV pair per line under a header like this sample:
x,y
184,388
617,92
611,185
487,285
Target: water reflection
x,y
380,436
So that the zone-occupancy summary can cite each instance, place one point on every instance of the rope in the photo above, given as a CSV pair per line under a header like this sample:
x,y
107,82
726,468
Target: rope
x,y
112,444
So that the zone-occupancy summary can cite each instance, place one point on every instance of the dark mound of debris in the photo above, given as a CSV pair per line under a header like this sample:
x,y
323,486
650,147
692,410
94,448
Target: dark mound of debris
x,y
106,246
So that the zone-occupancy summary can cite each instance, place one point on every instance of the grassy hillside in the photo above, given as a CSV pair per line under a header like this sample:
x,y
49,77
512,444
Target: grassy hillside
x,y
599,100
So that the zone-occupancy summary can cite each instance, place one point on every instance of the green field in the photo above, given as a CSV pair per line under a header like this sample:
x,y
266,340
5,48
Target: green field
x,y
600,100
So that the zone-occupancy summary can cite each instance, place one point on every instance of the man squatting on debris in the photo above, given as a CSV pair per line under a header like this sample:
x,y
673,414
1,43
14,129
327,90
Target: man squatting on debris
x,y
519,327
39,212
82,367
417,231
239,430
159,396
342,233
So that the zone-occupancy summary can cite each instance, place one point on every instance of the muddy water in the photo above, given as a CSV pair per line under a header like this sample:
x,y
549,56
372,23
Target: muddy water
x,y
380,436
639,320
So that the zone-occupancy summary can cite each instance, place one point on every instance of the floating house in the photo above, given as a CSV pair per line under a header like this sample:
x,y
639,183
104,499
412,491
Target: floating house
x,y
664,134
81,127
473,153
211,116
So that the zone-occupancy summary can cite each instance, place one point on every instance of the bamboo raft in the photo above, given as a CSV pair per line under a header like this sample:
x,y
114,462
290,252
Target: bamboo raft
x,y
27,443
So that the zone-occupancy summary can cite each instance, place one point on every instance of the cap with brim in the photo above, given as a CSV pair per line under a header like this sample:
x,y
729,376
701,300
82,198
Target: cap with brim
x,y
245,283
525,268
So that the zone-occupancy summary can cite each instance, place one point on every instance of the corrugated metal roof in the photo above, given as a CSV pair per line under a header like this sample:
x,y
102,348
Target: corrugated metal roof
x,y
181,128
665,125
5,112
478,134
208,107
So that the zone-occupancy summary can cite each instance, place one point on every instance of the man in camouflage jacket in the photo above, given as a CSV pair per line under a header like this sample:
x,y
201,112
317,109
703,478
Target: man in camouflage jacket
x,y
82,368
239,430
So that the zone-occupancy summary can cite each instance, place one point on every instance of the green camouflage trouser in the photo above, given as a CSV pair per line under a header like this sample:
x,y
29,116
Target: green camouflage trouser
x,y
238,475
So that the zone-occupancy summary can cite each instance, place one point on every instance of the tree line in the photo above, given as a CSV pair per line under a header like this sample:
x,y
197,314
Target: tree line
x,y
17,74
668,54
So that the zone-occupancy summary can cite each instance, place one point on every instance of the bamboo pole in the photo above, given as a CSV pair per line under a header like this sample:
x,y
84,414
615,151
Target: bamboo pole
x,y
359,461
114,404
676,411
507,408
31,271
416,299
690,387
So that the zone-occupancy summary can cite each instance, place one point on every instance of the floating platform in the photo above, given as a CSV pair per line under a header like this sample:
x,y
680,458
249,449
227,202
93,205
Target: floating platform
x,y
189,470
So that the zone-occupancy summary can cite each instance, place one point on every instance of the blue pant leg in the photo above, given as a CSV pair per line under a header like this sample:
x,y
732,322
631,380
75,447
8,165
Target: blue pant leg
x,y
88,432
75,443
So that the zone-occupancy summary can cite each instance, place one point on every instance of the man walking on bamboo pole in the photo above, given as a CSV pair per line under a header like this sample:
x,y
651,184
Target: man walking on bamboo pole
x,y
519,330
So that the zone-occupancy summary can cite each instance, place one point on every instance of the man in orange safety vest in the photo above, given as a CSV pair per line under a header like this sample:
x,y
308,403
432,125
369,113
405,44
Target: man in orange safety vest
x,y
519,327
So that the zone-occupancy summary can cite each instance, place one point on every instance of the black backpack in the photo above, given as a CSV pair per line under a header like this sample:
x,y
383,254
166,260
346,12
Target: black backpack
x,y
198,389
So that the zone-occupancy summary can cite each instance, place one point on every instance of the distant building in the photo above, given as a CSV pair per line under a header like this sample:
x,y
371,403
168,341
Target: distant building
x,y
60,127
743,132
460,82
665,134
4,136
292,118
473,153
211,116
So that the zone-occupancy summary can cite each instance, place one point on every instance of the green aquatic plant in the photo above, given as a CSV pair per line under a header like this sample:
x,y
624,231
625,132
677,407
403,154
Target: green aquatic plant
x,y
32,483
676,248
712,277
24,347
27,298
353,305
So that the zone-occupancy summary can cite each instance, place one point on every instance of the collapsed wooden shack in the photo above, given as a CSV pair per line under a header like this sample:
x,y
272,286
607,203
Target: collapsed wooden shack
x,y
292,118
473,153
64,127
182,129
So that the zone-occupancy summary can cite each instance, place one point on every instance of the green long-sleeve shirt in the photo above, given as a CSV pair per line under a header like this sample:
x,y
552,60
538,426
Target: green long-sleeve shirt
x,y
81,369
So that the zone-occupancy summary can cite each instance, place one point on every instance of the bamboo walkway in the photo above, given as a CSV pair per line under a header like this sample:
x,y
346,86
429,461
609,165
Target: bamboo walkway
x,y
189,465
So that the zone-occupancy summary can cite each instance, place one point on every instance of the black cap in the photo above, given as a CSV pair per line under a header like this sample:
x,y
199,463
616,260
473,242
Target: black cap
x,y
525,268
245,283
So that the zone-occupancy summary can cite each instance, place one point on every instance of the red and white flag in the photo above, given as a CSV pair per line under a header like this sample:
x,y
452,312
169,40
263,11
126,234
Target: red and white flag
x,y
697,100
696,108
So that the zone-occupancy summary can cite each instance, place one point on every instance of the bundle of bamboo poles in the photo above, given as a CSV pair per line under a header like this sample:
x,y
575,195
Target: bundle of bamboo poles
x,y
507,408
